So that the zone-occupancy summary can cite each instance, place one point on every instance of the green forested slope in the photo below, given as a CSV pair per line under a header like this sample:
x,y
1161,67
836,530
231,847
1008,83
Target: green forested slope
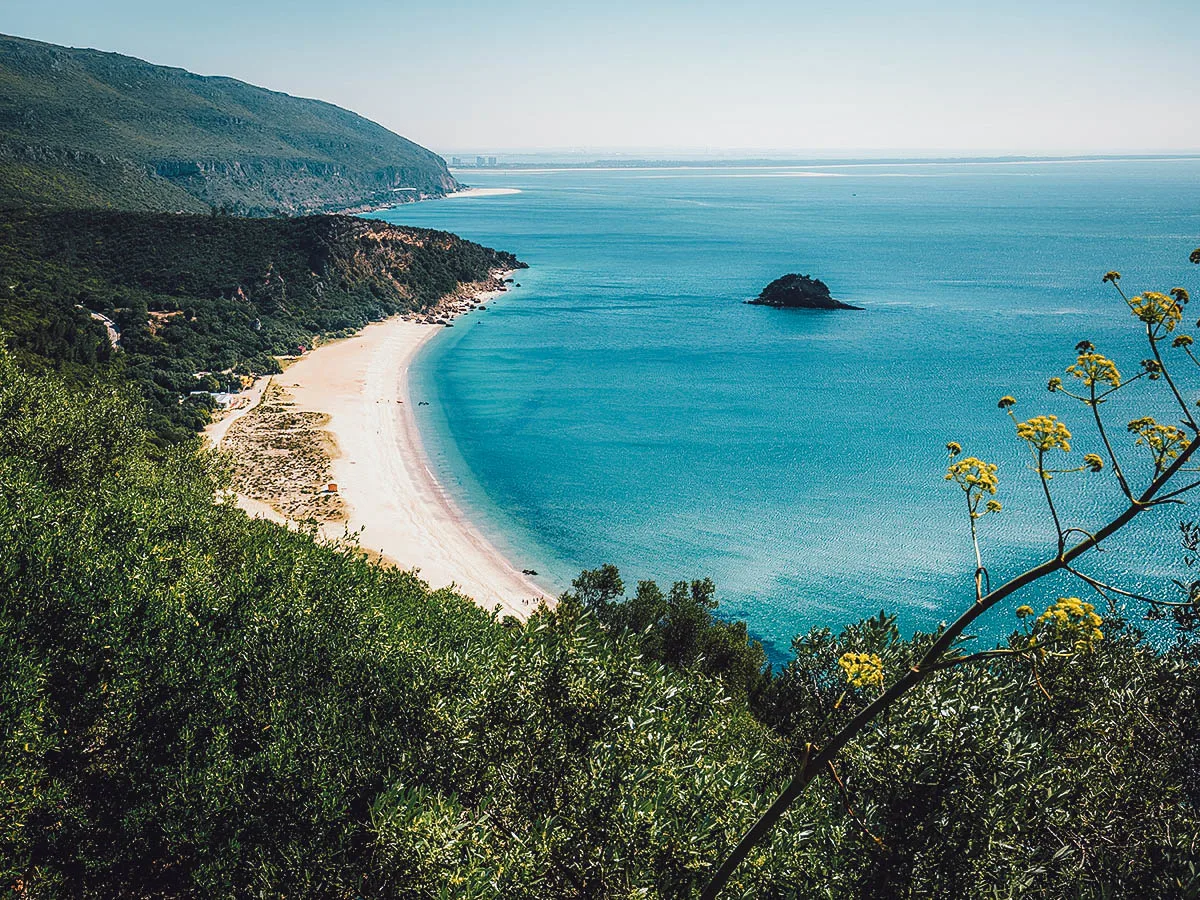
x,y
193,703
210,293
82,128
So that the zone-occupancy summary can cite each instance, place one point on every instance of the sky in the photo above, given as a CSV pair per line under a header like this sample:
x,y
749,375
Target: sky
x,y
810,78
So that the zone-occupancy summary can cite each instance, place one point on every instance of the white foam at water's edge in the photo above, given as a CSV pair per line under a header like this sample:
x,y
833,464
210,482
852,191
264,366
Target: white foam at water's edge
x,y
472,193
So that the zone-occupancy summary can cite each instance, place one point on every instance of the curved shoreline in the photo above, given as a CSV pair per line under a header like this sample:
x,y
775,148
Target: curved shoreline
x,y
395,503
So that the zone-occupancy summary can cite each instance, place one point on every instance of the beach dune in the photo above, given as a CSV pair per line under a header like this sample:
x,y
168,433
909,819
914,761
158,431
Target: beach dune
x,y
382,472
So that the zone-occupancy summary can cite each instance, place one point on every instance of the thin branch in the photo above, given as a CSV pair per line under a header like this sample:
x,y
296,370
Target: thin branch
x,y
1087,534
1188,351
1037,679
1177,492
1174,604
1187,412
1100,398
1101,586
850,809
975,543
1062,541
982,575
1112,456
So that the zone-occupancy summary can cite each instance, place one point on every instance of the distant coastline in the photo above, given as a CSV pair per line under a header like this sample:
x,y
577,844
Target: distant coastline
x,y
465,193
399,199
549,162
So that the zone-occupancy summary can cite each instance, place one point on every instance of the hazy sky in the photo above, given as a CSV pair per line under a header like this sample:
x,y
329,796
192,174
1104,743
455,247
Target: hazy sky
x,y
1030,76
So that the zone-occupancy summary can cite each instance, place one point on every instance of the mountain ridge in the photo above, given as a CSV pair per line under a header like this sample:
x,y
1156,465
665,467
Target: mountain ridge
x,y
82,127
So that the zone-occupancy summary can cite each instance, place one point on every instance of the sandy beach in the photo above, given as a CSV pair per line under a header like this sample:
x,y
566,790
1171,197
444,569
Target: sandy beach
x,y
468,193
386,486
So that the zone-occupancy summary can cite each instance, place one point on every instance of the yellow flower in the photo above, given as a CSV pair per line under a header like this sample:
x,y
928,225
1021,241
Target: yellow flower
x,y
1071,620
1055,384
1006,402
1165,442
1195,256
862,669
1093,461
954,448
1114,277
974,475
993,506
1154,308
1180,294
1024,612
1092,369
1184,340
1045,433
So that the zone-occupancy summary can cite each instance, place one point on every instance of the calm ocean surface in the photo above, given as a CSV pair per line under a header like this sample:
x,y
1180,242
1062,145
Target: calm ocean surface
x,y
623,405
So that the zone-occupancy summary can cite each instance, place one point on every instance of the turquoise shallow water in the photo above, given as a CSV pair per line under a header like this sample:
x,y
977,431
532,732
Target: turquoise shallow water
x,y
625,406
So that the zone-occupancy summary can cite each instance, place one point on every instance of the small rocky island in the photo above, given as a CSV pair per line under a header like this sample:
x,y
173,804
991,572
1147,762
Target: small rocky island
x,y
798,292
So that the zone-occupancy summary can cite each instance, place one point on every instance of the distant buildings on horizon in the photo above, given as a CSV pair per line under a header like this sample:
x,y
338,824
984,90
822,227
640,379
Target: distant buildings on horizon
x,y
481,162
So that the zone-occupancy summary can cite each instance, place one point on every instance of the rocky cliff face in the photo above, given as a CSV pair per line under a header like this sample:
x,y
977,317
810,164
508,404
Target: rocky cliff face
x,y
84,128
413,267
268,186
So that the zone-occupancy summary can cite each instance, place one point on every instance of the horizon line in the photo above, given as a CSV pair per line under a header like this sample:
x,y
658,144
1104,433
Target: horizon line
x,y
674,154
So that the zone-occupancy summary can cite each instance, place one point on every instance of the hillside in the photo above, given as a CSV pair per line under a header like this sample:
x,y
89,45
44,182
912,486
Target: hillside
x,y
82,128
195,294
197,704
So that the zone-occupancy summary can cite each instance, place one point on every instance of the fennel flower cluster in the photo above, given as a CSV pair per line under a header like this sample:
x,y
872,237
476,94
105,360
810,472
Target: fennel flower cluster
x,y
1045,433
974,475
862,669
1165,442
1154,308
1093,369
1070,619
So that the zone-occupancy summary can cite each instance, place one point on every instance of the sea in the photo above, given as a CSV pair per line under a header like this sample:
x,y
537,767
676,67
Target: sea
x,y
624,405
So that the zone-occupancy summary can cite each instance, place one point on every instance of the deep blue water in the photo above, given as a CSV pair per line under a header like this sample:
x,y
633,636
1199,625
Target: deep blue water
x,y
623,405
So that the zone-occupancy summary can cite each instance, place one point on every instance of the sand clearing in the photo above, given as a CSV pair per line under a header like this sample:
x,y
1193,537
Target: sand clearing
x,y
247,401
382,473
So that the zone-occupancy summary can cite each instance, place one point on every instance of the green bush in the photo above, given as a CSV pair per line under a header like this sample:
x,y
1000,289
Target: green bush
x,y
196,703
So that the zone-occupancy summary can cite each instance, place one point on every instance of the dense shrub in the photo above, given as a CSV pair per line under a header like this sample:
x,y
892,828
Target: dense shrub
x,y
195,703
214,294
